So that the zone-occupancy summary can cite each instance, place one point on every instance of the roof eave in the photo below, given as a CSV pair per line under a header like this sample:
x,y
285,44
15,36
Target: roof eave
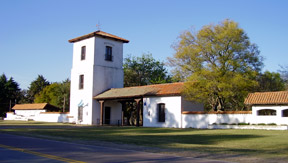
x,y
134,97
258,104
93,34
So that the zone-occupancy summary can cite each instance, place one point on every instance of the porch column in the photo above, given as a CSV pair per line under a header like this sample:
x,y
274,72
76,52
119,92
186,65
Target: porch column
x,y
101,111
137,111
122,112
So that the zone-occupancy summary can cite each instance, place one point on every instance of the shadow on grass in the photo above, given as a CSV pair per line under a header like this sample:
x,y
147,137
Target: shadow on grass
x,y
196,139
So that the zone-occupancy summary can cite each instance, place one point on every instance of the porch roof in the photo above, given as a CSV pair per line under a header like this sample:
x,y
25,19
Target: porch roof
x,y
142,91
267,98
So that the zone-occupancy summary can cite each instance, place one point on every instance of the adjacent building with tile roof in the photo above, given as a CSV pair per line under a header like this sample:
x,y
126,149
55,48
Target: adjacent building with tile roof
x,y
267,98
268,107
36,106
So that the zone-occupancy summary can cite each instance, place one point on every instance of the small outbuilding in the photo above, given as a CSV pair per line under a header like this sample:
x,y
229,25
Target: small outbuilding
x,y
30,111
269,107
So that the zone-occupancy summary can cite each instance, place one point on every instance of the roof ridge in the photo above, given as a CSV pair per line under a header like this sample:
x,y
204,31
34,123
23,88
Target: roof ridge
x,y
269,92
32,103
155,85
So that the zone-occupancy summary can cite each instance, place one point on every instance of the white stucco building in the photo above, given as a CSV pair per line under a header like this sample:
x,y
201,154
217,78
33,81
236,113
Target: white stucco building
x,y
97,67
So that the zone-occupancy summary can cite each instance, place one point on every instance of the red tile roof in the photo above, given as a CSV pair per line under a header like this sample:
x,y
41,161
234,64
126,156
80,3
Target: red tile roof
x,y
98,33
36,106
267,98
141,91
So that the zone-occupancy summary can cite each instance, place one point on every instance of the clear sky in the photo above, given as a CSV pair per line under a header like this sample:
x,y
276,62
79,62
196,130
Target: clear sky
x,y
34,34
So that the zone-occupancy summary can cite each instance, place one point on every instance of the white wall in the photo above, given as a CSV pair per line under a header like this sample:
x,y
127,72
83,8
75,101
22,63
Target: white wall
x,y
82,67
278,119
203,120
116,112
39,115
53,117
172,111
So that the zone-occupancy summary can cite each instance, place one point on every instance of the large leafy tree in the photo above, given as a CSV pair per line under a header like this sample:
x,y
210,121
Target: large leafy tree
x,y
270,81
138,71
219,63
144,70
36,86
56,94
9,93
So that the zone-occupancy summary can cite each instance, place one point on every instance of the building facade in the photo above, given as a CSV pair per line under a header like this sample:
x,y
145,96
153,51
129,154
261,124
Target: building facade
x,y
97,67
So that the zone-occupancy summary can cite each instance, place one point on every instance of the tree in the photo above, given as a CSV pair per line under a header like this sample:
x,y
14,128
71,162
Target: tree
x,y
138,71
144,70
9,93
219,65
270,81
284,74
36,87
56,94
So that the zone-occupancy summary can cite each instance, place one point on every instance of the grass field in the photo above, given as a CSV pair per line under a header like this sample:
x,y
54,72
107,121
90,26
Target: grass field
x,y
255,143
29,123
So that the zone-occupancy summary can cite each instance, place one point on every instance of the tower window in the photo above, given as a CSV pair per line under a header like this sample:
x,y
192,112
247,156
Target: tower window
x,y
108,54
83,53
81,81
161,112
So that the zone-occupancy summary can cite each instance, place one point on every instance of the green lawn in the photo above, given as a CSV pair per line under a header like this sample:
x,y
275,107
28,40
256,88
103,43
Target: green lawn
x,y
29,123
257,143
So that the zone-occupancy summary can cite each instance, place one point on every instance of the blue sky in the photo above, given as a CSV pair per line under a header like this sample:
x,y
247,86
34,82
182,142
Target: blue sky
x,y
34,34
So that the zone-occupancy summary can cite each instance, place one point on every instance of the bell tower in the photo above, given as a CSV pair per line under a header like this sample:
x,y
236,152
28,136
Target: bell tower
x,y
96,67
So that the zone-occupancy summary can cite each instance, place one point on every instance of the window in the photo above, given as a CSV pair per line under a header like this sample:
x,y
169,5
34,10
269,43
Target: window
x,y
108,54
161,112
265,112
285,113
81,81
83,53
80,113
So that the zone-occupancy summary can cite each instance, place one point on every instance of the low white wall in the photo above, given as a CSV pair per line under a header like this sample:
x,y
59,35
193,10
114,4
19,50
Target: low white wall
x,y
39,115
53,117
10,116
28,114
203,120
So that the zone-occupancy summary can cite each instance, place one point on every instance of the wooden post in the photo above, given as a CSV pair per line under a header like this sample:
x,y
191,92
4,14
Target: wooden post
x,y
101,111
137,111
123,103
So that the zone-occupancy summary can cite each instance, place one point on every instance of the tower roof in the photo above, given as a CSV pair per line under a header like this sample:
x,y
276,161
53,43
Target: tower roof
x,y
98,33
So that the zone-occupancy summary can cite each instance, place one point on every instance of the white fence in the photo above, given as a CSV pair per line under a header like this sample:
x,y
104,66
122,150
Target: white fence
x,y
42,116
53,117
204,119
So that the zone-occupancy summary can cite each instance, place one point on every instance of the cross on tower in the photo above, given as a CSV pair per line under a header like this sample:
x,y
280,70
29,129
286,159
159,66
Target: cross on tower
x,y
98,26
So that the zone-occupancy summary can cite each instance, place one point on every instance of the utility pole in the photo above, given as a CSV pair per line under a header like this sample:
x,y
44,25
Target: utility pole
x,y
64,103
10,106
